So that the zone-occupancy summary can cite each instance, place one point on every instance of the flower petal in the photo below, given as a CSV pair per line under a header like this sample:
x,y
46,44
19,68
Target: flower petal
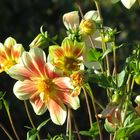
x,y
29,64
92,15
16,52
19,72
71,20
39,58
63,83
24,90
38,105
73,102
57,111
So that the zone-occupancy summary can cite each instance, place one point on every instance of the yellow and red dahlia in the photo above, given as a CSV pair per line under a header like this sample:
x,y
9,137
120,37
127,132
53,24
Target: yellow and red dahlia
x,y
10,53
68,57
45,87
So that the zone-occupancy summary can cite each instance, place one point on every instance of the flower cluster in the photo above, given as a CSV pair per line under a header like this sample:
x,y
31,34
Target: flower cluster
x,y
54,80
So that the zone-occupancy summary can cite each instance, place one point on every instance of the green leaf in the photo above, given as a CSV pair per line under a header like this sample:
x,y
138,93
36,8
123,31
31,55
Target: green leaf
x,y
129,130
121,77
2,94
92,132
114,1
42,124
102,80
32,134
94,55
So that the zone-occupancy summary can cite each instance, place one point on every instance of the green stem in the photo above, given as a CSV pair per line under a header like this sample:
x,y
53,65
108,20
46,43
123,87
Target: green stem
x,y
102,36
129,90
69,124
115,61
29,117
99,104
95,110
10,119
88,107
6,132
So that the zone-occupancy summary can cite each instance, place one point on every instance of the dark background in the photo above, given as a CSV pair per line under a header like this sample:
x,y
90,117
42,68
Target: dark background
x,y
22,19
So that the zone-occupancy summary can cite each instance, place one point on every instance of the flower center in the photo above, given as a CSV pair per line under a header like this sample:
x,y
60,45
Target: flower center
x,y
8,64
44,86
71,63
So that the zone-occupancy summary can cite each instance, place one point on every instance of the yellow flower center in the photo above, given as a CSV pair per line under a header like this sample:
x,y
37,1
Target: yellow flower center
x,y
46,88
8,64
71,63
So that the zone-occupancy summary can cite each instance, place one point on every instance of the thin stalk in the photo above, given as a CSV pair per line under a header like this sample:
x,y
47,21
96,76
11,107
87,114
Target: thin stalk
x,y
102,36
10,119
6,132
115,62
76,127
95,110
29,117
111,137
139,2
99,104
129,90
69,124
88,107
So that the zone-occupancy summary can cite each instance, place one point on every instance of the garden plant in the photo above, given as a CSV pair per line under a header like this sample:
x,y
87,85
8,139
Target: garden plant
x,y
57,77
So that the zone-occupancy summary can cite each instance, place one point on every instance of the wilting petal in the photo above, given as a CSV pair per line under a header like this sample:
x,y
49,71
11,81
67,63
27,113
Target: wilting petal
x,y
38,105
24,90
71,20
19,72
57,111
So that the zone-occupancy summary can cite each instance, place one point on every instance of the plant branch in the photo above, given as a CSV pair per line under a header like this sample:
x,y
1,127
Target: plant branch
x,y
10,119
6,132
29,117
95,110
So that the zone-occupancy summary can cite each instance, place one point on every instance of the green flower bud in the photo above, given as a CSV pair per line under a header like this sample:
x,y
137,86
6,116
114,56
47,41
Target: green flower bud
x,y
39,41
137,99
87,27
137,79
116,98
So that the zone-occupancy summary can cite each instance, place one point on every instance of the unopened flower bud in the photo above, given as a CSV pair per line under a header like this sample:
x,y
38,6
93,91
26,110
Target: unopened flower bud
x,y
137,79
87,27
39,41
116,98
137,100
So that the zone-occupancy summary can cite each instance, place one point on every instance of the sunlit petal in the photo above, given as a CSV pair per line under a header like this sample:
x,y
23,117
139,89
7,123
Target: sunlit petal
x,y
57,111
24,89
38,105
71,20
19,72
